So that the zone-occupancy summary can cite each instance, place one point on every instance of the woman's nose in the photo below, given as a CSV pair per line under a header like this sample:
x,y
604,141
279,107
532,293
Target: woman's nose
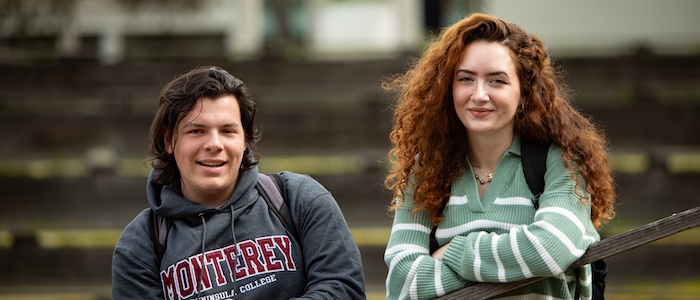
x,y
480,93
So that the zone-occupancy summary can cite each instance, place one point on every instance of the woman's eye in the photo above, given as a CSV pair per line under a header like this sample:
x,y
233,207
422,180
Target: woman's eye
x,y
465,79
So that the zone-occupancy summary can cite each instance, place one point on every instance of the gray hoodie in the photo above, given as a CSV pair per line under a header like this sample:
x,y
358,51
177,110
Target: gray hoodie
x,y
325,264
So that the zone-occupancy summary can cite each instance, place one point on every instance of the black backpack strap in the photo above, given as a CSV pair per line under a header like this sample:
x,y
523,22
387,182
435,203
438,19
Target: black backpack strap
x,y
271,187
599,270
534,160
158,227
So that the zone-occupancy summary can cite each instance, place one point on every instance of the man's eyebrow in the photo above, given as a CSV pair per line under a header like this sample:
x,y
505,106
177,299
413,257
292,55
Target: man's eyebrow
x,y
195,124
192,124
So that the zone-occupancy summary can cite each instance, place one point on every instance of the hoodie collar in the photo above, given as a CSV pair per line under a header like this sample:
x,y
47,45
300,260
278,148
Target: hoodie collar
x,y
167,200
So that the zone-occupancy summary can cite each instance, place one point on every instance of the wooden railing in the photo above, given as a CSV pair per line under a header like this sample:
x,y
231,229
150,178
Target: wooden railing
x,y
605,248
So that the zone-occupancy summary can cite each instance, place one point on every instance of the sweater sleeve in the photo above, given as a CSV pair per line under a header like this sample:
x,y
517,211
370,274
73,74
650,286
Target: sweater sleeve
x,y
559,235
134,275
413,273
333,262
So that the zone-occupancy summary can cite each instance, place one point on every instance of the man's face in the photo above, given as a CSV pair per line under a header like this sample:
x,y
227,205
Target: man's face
x,y
208,146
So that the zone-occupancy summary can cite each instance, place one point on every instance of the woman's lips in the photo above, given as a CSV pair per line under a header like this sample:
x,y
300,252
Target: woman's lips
x,y
479,113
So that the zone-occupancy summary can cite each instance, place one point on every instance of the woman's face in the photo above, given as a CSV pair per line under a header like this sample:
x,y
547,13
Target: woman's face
x,y
486,89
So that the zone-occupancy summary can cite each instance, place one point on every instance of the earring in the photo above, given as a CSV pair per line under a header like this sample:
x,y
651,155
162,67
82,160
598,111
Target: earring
x,y
519,112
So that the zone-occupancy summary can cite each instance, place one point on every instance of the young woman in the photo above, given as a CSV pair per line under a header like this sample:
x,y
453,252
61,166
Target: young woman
x,y
483,86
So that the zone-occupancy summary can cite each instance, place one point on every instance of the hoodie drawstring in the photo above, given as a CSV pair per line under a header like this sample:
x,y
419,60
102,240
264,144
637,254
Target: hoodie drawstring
x,y
235,243
201,257
204,242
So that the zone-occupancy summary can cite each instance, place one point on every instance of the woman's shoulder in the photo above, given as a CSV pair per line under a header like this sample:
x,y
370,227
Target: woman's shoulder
x,y
555,157
554,152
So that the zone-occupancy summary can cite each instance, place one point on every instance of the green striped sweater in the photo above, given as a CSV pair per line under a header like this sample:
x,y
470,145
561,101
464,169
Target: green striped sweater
x,y
500,238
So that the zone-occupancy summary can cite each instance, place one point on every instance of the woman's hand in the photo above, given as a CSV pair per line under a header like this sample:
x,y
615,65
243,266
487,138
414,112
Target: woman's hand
x,y
440,252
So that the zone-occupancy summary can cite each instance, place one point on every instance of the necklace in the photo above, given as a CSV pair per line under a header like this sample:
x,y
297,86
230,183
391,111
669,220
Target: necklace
x,y
489,177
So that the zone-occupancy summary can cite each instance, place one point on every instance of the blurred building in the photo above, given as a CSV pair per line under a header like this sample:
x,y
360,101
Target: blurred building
x,y
114,30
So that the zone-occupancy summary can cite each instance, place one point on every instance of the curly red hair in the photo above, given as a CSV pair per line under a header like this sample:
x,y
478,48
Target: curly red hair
x,y
429,141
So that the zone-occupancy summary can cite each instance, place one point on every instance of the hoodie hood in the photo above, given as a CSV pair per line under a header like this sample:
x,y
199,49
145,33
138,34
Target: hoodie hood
x,y
167,200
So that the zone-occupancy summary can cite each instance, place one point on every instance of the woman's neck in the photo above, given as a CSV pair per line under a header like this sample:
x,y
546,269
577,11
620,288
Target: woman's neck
x,y
486,150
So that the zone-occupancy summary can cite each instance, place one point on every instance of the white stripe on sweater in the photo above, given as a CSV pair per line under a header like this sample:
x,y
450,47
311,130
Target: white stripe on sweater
x,y
410,285
403,250
561,236
548,260
563,277
457,200
478,225
585,280
410,226
499,264
439,289
513,201
477,257
569,215
516,251
406,247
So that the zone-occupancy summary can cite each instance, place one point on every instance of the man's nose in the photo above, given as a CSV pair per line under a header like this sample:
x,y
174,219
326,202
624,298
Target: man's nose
x,y
214,142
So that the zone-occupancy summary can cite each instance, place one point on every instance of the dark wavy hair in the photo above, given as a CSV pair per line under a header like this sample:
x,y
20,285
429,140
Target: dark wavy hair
x,y
429,141
179,97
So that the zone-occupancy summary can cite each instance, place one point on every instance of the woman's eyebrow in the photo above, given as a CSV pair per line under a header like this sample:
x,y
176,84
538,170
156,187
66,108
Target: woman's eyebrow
x,y
494,73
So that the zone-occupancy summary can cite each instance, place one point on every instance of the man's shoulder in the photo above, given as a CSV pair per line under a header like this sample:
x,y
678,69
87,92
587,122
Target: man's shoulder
x,y
304,191
136,232
294,182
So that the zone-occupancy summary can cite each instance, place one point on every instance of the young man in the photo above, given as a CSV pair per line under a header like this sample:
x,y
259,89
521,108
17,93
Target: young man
x,y
223,240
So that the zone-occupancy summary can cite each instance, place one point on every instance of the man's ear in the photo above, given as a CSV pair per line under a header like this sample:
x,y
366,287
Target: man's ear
x,y
167,139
